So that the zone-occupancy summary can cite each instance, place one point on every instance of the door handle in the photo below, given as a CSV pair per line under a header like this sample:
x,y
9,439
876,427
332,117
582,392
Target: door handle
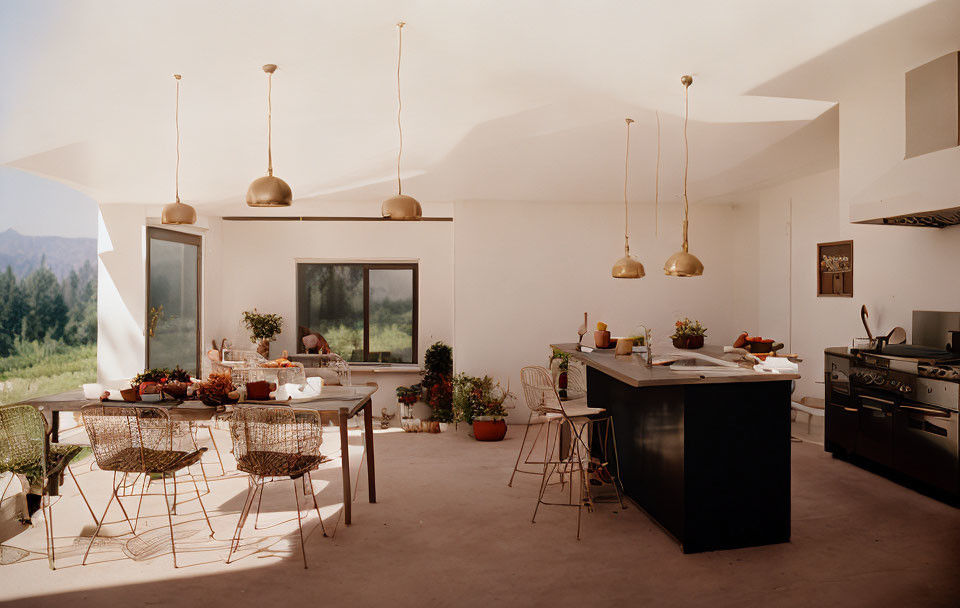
x,y
849,409
926,411
877,399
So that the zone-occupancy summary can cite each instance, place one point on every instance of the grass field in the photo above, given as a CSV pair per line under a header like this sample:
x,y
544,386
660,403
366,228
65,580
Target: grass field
x,y
38,370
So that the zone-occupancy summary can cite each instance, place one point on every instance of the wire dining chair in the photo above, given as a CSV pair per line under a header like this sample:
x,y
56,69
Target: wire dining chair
x,y
275,442
27,454
135,439
578,418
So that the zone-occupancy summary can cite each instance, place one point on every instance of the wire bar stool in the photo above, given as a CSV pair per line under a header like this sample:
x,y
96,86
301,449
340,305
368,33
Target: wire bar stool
x,y
577,418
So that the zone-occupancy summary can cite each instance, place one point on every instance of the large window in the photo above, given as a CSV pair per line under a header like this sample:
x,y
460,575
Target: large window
x,y
366,312
173,300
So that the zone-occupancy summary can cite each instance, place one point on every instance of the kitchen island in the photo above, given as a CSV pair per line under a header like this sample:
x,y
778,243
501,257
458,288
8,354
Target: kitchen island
x,y
705,454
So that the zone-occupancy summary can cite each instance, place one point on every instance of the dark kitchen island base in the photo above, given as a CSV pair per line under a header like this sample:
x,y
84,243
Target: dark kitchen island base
x,y
710,462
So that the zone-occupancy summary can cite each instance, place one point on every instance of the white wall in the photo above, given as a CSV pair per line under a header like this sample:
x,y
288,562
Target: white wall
x,y
259,270
526,273
121,287
896,270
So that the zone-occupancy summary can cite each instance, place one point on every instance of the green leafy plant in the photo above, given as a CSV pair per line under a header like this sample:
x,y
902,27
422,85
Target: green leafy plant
x,y
563,357
686,328
473,397
438,381
262,326
178,375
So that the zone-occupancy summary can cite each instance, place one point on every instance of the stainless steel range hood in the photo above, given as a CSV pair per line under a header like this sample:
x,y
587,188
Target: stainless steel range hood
x,y
923,189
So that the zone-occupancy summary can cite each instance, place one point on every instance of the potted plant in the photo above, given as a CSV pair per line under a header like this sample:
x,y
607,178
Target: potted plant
x,y
688,334
406,397
438,383
263,329
563,366
480,402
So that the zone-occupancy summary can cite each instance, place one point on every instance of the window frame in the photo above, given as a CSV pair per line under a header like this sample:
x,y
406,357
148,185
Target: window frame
x,y
366,266
175,236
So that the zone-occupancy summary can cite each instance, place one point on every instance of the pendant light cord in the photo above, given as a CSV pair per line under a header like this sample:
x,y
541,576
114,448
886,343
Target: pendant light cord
x,y
177,122
626,174
399,101
686,166
269,123
656,187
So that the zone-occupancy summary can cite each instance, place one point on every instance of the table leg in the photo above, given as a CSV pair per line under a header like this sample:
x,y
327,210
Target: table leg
x,y
345,465
53,486
55,426
368,448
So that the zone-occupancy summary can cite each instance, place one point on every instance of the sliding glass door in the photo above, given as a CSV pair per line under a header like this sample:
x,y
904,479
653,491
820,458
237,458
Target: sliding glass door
x,y
173,300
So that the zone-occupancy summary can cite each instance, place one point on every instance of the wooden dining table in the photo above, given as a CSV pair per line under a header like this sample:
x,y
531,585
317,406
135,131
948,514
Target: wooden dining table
x,y
343,402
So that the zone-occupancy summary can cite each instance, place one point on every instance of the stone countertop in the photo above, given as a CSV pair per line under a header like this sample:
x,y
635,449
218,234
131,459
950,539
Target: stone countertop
x,y
632,370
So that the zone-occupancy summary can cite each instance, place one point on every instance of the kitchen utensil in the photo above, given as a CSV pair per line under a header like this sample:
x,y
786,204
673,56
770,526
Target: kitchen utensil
x,y
582,330
863,319
897,335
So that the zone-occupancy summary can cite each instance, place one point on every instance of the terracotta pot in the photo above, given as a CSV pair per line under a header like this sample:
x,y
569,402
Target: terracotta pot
x,y
130,395
489,430
690,342
602,338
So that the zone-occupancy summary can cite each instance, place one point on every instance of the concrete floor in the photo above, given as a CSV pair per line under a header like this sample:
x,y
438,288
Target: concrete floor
x,y
448,531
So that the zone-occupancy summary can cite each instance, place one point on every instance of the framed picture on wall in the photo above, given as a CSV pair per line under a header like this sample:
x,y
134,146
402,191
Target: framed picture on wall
x,y
835,269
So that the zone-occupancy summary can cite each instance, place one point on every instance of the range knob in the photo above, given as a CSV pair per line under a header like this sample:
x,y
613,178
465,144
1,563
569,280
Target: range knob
x,y
905,388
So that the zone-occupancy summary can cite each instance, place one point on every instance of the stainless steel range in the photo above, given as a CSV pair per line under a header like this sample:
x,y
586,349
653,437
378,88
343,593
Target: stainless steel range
x,y
898,408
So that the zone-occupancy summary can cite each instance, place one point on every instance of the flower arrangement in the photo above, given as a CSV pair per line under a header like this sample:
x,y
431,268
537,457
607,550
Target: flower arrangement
x,y
688,334
474,397
217,390
408,394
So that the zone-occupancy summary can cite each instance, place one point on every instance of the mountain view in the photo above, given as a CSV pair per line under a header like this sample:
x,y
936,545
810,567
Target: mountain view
x,y
24,254
48,314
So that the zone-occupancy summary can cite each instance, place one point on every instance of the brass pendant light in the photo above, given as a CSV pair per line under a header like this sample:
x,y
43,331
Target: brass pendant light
x,y
177,212
401,206
269,191
627,267
683,263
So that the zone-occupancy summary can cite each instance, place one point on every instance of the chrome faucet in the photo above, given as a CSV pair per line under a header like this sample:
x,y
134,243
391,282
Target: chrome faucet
x,y
648,342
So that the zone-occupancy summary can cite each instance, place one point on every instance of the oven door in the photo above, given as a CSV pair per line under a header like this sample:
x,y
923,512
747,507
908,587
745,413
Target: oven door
x,y
926,445
840,415
875,427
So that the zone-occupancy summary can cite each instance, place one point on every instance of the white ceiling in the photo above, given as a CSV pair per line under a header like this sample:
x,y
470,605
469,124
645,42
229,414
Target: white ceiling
x,y
509,100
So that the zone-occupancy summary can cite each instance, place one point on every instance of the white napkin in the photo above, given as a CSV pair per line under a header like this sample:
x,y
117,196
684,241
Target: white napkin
x,y
777,365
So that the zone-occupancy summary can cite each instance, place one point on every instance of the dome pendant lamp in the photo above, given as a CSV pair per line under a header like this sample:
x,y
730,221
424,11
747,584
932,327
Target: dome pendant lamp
x,y
269,191
177,212
683,263
627,267
400,206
